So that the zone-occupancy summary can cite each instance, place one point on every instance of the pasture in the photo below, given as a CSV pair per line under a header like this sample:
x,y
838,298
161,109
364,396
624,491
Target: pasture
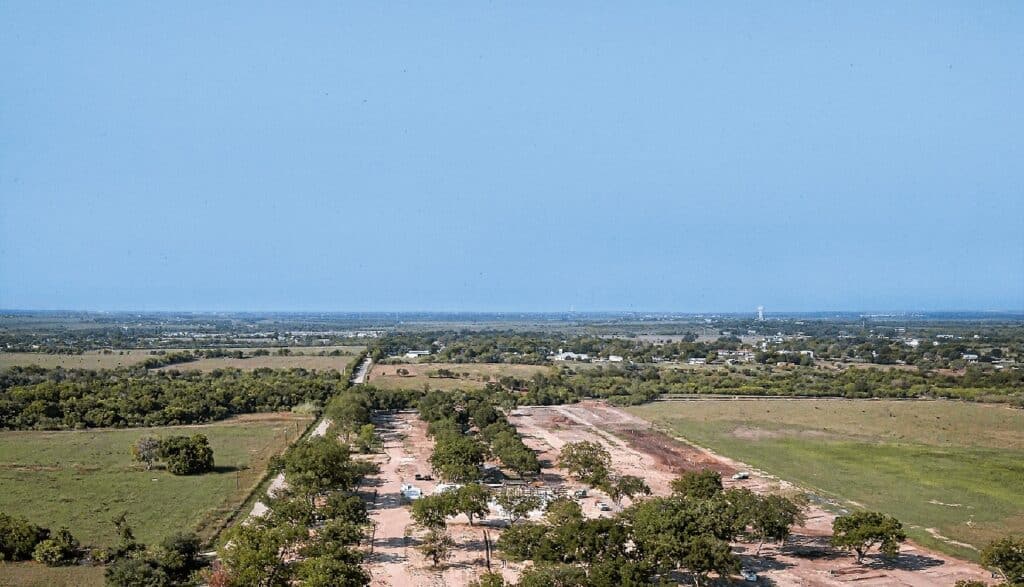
x,y
82,479
465,375
316,357
953,472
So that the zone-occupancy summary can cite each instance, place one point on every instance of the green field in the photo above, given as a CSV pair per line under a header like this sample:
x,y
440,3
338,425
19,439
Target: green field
x,y
955,468
305,357
82,479
468,375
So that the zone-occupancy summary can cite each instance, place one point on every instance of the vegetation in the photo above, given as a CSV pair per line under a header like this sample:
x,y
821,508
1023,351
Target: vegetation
x,y
80,479
650,539
860,531
931,464
1006,557
262,552
34,398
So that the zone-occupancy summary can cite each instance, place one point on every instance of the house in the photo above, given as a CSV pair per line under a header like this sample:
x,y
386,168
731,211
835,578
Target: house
x,y
614,359
970,358
416,354
570,356
697,361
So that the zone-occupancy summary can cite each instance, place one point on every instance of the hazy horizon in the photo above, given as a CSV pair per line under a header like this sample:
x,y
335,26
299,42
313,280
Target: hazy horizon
x,y
512,157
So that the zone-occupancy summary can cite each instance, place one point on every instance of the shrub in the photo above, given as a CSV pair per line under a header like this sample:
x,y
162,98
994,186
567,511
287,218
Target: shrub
x,y
187,455
19,537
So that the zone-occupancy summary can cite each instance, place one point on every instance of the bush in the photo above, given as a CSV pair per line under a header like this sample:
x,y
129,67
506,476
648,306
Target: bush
x,y
62,549
19,537
186,455
136,572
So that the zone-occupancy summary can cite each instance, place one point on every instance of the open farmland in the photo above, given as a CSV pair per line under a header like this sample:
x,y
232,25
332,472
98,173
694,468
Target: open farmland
x,y
82,479
466,375
316,357
951,471
86,360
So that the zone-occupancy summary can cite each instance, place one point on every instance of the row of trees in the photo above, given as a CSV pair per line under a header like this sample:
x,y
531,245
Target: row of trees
x,y
310,531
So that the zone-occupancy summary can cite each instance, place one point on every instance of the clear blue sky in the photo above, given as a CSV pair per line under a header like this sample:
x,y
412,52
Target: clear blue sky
x,y
512,155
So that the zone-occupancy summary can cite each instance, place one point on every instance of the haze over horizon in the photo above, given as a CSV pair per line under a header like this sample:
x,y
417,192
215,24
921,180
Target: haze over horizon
x,y
512,157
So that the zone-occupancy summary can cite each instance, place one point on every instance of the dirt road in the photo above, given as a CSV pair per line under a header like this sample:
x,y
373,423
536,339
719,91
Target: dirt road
x,y
638,449
395,559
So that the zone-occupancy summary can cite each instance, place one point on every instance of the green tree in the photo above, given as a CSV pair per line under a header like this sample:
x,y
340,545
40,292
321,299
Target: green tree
x,y
1006,557
625,486
254,554
587,462
61,549
706,554
516,504
562,511
488,580
860,531
457,458
432,511
187,455
328,571
178,554
773,517
471,500
136,572
698,485
436,545
321,464
19,537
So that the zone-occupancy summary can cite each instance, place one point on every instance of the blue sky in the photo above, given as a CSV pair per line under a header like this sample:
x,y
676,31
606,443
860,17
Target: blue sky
x,y
512,156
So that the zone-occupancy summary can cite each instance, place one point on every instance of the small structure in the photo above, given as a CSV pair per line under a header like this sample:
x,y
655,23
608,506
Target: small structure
x,y
416,354
411,492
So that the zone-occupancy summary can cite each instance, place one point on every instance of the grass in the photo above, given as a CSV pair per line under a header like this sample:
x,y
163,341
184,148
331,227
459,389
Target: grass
x,y
86,360
82,479
955,468
32,574
469,375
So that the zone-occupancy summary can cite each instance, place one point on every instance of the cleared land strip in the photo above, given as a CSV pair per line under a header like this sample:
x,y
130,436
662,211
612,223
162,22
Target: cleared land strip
x,y
637,448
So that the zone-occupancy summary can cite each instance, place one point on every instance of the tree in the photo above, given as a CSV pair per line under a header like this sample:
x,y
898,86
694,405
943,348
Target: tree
x,y
347,507
471,500
187,455
19,537
321,464
366,439
146,450
136,572
772,517
327,571
706,554
457,458
254,554
549,575
1006,557
860,531
625,486
516,504
432,511
562,511
178,554
437,545
698,485
587,462
488,580
61,549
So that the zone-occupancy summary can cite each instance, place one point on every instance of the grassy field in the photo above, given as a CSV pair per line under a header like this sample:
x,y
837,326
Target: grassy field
x,y
32,574
469,375
952,472
82,479
306,357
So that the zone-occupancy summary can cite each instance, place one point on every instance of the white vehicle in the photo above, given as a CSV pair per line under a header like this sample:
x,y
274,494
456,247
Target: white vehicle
x,y
740,476
602,506
748,575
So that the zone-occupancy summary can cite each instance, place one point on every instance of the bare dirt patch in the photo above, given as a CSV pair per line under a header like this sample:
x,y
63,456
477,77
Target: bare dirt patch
x,y
807,559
